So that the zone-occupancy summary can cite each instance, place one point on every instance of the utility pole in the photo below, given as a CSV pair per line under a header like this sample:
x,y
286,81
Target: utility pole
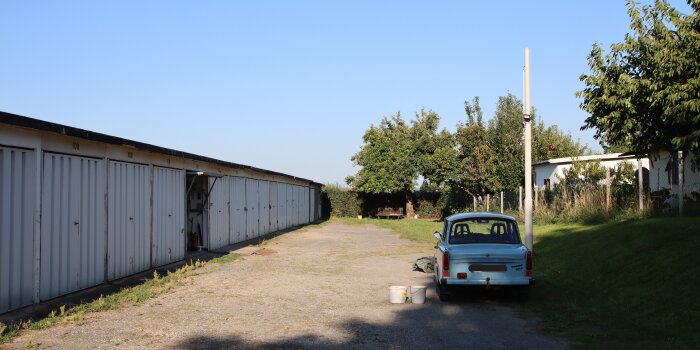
x,y
528,153
681,192
640,180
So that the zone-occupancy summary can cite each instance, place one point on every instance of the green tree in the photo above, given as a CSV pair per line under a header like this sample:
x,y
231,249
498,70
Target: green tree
x,y
395,155
505,133
550,142
645,92
476,157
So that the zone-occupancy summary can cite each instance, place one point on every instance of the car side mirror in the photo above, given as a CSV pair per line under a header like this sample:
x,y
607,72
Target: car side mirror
x,y
437,235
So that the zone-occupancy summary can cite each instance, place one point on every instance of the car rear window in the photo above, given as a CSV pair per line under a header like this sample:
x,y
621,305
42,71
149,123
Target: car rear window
x,y
484,230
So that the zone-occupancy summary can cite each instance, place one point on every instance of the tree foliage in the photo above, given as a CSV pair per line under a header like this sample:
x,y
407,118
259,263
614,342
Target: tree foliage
x,y
476,158
645,92
395,154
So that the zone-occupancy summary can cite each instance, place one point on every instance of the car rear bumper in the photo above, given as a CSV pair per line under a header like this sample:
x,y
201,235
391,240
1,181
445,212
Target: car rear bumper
x,y
450,281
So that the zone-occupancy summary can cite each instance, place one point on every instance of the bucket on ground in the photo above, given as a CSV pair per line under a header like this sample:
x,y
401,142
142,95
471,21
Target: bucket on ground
x,y
418,294
397,294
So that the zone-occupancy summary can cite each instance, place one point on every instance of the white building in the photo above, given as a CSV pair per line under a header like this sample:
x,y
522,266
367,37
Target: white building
x,y
547,173
663,173
80,208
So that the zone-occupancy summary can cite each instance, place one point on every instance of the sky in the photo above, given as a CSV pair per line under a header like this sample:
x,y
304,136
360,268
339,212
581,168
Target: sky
x,y
291,86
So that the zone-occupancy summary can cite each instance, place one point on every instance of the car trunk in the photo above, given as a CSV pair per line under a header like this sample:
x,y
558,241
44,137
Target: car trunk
x,y
488,261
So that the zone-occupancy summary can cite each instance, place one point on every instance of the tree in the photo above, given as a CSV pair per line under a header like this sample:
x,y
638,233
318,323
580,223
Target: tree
x,y
476,157
395,154
505,134
549,142
645,93
506,138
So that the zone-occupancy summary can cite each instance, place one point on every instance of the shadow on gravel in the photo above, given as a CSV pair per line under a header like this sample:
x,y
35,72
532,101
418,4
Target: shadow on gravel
x,y
475,320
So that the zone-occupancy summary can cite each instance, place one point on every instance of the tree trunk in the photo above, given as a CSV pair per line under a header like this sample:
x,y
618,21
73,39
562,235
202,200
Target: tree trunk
x,y
409,206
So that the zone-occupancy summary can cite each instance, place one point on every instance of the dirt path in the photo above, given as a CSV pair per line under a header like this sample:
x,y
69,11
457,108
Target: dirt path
x,y
323,288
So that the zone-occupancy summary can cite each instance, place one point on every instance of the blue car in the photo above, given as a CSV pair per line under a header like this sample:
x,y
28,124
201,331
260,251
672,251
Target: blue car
x,y
481,249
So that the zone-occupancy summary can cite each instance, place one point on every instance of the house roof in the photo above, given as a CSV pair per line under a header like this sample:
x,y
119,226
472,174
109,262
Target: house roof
x,y
567,160
41,125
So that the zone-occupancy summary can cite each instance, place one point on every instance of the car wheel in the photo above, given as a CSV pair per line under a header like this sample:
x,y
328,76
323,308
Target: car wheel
x,y
442,292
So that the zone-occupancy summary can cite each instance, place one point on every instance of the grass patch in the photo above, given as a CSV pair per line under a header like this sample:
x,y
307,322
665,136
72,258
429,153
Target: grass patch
x,y
630,283
127,296
416,230
621,282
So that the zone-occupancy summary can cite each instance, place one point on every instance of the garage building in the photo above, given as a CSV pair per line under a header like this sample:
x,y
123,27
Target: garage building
x,y
79,208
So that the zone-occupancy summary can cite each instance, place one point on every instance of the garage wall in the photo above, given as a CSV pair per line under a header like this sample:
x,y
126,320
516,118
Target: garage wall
x,y
273,207
237,212
251,199
168,216
72,224
282,206
17,201
129,219
218,212
264,200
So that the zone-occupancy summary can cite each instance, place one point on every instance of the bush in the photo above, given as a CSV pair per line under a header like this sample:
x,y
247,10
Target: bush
x,y
340,202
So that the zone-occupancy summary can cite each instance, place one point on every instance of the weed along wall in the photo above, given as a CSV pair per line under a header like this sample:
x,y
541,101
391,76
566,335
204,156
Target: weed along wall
x,y
79,208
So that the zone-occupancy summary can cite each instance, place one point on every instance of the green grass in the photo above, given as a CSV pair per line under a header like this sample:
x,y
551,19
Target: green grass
x,y
415,230
127,296
628,283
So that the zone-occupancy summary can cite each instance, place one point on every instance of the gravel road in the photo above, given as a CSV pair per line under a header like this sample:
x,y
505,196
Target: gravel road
x,y
321,288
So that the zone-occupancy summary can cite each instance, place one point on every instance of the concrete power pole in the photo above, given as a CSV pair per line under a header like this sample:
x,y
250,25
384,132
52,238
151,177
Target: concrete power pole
x,y
528,153
681,192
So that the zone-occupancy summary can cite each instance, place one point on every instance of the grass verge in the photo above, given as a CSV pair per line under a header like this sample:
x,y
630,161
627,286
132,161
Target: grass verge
x,y
416,230
630,283
127,296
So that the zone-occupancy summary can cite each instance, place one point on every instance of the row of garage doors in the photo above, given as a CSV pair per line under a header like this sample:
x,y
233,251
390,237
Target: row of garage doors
x,y
142,208
242,208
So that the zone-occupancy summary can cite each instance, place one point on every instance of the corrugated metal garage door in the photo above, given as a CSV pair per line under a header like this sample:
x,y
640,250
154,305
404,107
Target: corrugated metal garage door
x,y
274,220
218,212
292,211
72,224
306,201
168,216
251,203
299,197
264,194
237,210
282,206
318,204
312,205
17,200
128,219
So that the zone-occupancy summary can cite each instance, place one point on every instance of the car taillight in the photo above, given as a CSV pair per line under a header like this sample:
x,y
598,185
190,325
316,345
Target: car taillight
x,y
462,275
445,264
528,264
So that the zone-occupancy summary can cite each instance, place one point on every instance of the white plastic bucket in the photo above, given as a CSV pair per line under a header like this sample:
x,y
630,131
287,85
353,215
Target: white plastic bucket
x,y
397,294
418,294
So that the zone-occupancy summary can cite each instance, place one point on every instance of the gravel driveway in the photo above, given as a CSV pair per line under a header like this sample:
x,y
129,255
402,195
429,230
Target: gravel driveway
x,y
322,288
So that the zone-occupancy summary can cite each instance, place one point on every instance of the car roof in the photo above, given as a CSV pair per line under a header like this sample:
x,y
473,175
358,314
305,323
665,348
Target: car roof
x,y
476,215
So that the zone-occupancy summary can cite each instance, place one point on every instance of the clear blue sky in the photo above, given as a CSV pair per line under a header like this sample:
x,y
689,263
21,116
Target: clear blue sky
x,y
290,86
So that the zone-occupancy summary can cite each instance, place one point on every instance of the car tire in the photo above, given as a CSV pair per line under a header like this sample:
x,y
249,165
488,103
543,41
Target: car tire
x,y
442,292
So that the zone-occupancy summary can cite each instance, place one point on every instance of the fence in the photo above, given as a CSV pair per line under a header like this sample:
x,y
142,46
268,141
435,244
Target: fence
x,y
561,203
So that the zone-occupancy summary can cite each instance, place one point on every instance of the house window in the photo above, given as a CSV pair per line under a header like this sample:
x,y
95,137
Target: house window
x,y
547,184
673,173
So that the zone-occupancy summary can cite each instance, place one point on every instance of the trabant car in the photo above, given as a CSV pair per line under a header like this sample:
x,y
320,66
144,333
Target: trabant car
x,y
481,249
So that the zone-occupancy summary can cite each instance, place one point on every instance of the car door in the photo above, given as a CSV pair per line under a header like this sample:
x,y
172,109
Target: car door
x,y
440,248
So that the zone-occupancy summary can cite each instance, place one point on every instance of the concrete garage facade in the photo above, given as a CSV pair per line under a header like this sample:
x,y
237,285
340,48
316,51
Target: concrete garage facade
x,y
79,208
